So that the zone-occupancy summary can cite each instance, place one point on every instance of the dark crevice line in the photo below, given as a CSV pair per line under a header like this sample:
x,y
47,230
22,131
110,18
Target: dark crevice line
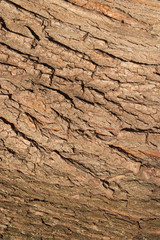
x,y
124,60
20,7
59,91
72,3
63,22
157,73
65,95
18,132
132,100
43,222
138,130
38,200
9,65
31,57
46,65
33,33
105,183
51,39
129,155
33,119
90,60
76,164
9,30
7,94
112,101
64,78
18,51
96,90
84,100
114,114
61,116
11,150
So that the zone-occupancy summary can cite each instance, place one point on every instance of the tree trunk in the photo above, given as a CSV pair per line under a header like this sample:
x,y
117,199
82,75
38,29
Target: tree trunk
x,y
79,119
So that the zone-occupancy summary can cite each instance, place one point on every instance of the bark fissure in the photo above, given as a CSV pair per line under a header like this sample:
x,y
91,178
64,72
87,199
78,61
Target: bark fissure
x,y
79,119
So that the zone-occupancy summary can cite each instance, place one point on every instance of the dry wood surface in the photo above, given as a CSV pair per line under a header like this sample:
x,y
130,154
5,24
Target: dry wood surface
x,y
80,119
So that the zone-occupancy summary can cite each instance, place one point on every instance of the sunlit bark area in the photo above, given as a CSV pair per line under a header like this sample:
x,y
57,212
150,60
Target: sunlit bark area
x,y
80,119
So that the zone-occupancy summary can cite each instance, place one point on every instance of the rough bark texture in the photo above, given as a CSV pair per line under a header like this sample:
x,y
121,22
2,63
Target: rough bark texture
x,y
79,119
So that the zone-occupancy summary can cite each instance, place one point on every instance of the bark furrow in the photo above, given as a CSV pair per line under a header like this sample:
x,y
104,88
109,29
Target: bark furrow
x,y
80,119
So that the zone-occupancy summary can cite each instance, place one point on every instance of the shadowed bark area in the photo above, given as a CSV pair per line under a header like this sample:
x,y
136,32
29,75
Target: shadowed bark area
x,y
80,119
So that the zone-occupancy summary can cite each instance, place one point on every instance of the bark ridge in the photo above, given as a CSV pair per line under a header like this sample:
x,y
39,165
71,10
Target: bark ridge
x,y
79,119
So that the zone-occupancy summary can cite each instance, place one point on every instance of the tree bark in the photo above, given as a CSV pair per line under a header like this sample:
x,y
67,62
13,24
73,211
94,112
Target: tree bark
x,y
80,119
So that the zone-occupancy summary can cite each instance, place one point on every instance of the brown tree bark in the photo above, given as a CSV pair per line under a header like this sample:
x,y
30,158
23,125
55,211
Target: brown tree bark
x,y
80,119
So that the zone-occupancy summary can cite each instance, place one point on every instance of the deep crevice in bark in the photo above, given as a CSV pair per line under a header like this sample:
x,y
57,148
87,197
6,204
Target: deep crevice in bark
x,y
79,120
